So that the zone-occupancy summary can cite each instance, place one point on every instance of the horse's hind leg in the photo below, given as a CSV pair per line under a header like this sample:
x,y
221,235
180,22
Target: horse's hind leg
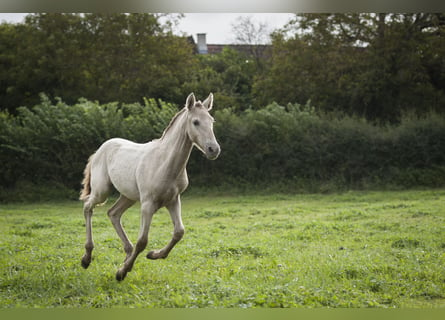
x,y
88,207
115,213
89,245
100,187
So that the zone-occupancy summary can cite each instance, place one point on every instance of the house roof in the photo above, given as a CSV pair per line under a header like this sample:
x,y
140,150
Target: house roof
x,y
260,50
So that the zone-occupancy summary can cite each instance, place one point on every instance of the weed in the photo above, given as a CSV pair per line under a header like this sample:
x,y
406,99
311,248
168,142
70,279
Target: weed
x,y
237,251
406,243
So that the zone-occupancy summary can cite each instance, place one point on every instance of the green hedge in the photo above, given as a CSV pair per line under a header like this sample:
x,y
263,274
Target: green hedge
x,y
291,147
299,150
52,142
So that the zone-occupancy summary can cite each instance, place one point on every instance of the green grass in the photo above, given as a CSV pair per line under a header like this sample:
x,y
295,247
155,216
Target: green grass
x,y
355,249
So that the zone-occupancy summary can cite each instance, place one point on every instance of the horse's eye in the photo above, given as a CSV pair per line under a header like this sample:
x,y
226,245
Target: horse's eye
x,y
196,122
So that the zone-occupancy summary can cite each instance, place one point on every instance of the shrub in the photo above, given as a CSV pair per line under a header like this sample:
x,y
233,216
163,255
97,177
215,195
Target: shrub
x,y
296,147
52,142
290,147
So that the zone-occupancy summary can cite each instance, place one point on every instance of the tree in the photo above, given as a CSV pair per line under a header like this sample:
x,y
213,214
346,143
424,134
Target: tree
x,y
105,57
255,35
229,75
372,65
246,31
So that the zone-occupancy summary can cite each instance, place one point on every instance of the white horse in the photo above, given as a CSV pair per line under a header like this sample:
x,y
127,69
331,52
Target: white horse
x,y
153,173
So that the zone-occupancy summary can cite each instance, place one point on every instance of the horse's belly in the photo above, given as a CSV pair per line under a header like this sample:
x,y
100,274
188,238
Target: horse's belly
x,y
124,182
121,171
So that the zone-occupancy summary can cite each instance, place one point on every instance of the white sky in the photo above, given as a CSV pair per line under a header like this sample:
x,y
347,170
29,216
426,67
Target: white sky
x,y
217,26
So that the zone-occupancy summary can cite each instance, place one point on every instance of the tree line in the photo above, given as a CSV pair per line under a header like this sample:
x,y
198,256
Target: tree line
x,y
103,57
374,65
378,66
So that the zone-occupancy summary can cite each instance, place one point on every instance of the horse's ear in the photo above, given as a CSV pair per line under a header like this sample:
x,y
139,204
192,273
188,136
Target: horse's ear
x,y
190,102
208,103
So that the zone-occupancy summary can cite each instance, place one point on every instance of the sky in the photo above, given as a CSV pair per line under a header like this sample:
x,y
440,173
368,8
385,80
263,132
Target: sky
x,y
217,26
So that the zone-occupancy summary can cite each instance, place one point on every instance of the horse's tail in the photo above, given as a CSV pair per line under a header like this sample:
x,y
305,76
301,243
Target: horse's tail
x,y
86,182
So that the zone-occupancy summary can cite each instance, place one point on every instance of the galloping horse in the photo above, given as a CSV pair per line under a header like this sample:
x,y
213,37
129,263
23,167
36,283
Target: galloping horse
x,y
153,173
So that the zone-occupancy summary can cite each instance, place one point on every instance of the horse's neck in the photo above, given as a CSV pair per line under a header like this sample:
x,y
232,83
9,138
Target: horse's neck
x,y
176,146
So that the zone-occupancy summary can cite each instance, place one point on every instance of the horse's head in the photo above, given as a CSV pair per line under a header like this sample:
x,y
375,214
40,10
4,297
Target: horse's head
x,y
200,126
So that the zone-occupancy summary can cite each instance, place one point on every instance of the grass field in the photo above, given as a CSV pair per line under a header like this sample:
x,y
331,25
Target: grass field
x,y
355,249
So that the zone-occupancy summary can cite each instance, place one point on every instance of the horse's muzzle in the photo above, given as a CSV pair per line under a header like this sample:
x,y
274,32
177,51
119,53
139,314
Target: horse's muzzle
x,y
212,151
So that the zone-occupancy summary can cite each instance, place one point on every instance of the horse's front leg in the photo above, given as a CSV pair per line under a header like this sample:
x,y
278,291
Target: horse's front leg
x,y
178,232
115,213
147,211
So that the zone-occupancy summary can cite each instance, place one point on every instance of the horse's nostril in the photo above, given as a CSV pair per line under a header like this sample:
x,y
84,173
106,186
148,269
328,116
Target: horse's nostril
x,y
212,151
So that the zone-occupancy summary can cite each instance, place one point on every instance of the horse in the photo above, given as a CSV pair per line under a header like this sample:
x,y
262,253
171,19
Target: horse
x,y
152,173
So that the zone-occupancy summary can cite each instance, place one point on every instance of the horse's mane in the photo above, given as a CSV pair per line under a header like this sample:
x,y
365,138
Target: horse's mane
x,y
173,120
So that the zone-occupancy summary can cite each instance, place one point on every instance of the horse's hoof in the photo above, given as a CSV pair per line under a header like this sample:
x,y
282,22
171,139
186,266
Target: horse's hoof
x,y
85,263
155,255
120,275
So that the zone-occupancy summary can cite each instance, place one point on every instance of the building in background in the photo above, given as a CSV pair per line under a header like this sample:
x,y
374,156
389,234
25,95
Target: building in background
x,y
257,50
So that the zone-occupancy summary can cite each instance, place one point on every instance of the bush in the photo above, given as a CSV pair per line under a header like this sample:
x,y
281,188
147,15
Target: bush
x,y
286,148
294,146
52,142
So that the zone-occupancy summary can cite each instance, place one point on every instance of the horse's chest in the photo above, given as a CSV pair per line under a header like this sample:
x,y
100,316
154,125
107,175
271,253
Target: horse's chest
x,y
165,192
165,196
160,179
178,186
